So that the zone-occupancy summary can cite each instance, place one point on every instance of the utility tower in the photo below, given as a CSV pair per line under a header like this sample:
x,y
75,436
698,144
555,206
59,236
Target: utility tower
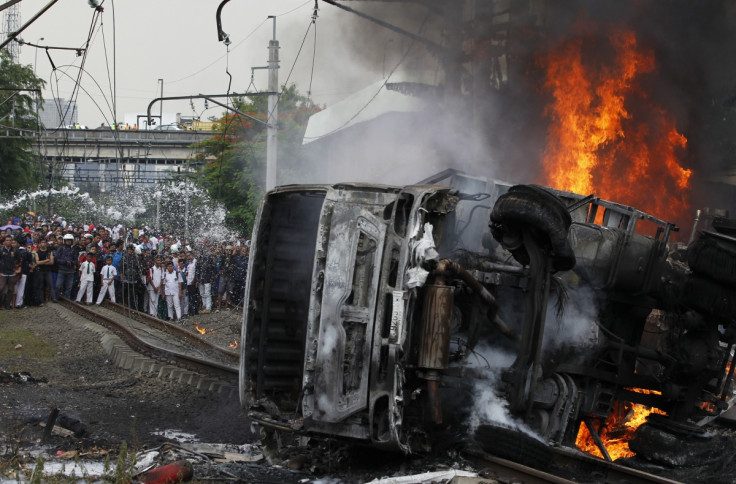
x,y
11,24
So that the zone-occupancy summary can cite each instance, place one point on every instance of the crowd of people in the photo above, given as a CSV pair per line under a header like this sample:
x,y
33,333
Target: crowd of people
x,y
168,277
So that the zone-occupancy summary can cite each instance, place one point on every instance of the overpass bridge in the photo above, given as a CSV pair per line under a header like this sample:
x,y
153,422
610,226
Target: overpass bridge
x,y
102,159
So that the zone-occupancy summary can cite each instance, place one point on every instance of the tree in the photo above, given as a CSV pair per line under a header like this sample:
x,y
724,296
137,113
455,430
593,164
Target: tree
x,y
20,94
234,159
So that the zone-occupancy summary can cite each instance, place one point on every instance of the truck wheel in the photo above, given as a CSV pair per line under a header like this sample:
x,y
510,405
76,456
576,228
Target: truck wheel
x,y
714,255
514,445
709,297
533,207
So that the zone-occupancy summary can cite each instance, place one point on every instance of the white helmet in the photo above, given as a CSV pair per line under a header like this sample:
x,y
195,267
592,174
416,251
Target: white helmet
x,y
68,237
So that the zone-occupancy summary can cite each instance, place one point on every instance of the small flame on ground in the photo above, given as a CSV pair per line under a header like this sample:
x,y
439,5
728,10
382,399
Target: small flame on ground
x,y
202,330
234,344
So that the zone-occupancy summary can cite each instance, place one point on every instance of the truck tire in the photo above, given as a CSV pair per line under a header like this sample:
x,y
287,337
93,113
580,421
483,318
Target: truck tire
x,y
714,255
710,297
533,207
514,445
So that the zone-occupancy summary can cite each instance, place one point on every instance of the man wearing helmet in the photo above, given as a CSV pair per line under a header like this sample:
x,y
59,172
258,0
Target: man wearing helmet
x,y
66,259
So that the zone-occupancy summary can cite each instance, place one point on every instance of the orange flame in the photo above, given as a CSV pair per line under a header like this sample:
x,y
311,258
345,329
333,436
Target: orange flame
x,y
234,344
606,136
202,330
618,428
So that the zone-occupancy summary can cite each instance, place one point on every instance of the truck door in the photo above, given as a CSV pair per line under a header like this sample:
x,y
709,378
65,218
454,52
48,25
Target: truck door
x,y
348,307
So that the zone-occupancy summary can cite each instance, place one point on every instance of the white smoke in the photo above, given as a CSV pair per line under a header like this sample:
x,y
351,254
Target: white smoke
x,y
577,325
489,407
178,206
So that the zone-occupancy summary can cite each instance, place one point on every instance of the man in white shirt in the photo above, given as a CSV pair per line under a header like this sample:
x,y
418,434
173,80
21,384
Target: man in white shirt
x,y
156,275
108,273
86,278
172,291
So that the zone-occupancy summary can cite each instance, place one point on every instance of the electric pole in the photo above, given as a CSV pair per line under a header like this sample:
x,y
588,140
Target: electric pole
x,y
11,25
161,107
273,110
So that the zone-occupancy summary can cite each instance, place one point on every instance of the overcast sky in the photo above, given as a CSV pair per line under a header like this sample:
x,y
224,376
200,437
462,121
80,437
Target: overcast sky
x,y
176,40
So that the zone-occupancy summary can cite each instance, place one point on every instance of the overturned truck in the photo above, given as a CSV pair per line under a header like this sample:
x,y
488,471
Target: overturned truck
x,y
377,313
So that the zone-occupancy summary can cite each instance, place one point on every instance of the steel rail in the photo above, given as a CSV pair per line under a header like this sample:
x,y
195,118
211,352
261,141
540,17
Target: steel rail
x,y
563,461
193,338
129,336
506,471
603,470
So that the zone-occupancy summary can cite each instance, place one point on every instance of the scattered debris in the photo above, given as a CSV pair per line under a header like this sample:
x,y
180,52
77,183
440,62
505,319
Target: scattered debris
x,y
448,476
59,430
50,422
233,457
179,471
61,424
7,378
204,460
69,454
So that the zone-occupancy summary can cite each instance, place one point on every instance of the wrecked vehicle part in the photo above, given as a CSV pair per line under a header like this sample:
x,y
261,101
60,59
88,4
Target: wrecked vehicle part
x,y
542,215
370,307
312,350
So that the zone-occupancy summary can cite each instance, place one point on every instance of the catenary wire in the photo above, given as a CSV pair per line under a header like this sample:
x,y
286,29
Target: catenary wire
x,y
239,43
104,96
221,57
314,49
77,85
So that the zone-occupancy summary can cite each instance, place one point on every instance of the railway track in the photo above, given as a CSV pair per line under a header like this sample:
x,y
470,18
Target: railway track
x,y
567,466
162,341
509,455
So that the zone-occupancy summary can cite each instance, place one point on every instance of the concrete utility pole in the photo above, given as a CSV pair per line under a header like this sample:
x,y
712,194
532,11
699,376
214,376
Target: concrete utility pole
x,y
273,110
161,107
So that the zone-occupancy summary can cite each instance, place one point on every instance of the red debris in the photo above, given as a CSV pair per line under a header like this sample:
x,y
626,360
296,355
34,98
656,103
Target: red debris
x,y
179,471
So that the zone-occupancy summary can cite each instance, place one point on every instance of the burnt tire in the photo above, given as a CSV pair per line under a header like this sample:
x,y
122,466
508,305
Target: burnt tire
x,y
709,297
529,207
513,445
714,255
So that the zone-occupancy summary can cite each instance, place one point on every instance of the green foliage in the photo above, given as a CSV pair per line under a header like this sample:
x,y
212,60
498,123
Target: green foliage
x,y
37,476
18,123
125,465
234,159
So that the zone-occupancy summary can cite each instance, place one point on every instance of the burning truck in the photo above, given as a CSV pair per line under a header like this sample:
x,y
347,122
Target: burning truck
x,y
379,313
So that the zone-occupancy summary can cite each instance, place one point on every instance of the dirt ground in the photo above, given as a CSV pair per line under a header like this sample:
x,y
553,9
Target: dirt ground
x,y
111,404
68,369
